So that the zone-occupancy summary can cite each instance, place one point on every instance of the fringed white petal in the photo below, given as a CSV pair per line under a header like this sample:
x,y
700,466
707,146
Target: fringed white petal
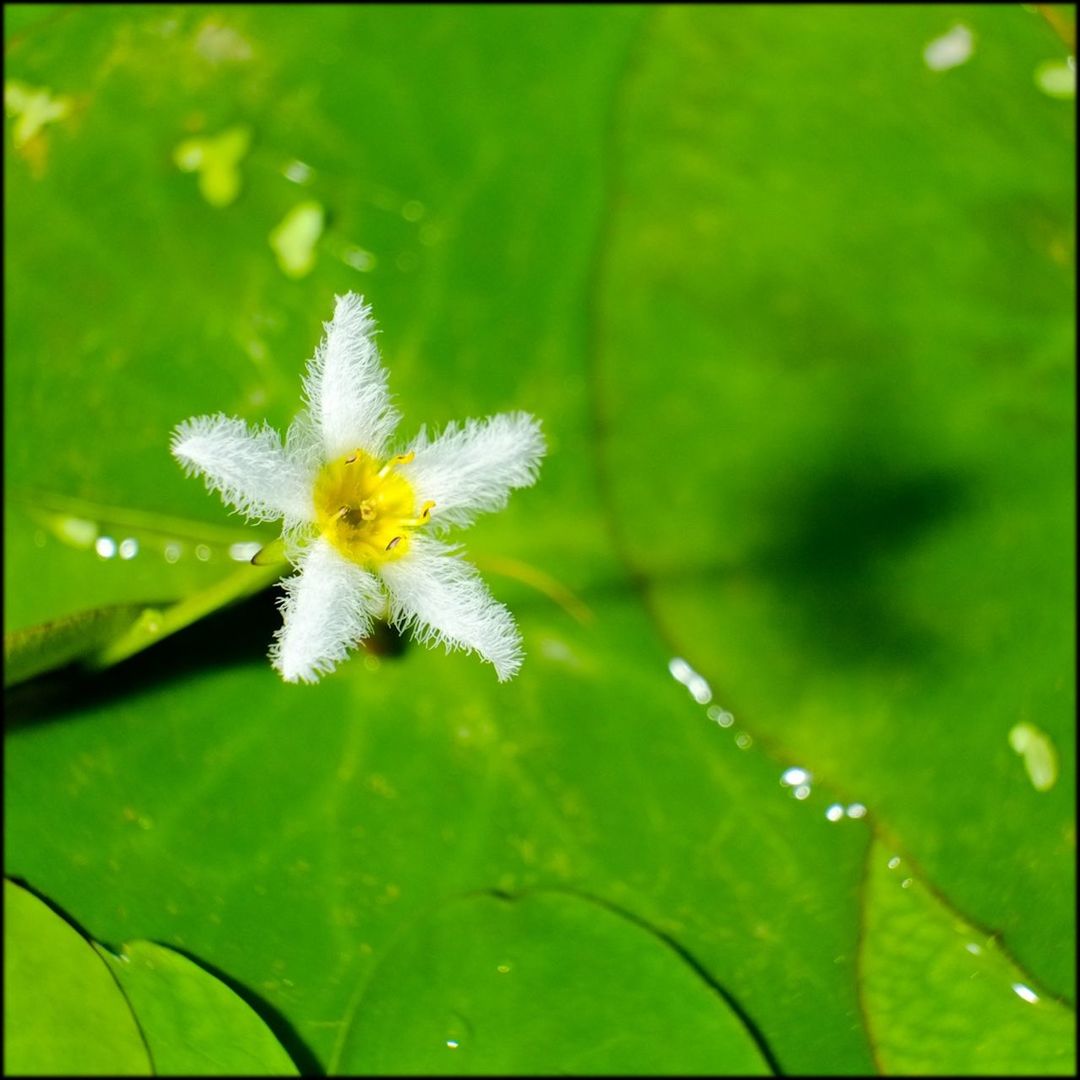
x,y
346,387
327,608
248,466
444,601
471,469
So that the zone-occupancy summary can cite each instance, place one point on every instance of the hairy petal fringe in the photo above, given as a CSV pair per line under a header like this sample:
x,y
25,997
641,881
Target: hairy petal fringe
x,y
472,468
247,466
327,608
346,386
443,600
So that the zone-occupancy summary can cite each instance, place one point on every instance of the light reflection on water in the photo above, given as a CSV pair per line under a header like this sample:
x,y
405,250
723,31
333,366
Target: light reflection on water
x,y
794,776
797,780
719,716
695,684
950,50
85,534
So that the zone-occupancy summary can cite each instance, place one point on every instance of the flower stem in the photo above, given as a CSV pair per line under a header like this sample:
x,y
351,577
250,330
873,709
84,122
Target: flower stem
x,y
154,624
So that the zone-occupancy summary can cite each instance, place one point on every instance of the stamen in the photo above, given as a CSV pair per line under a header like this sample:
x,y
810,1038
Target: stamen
x,y
350,460
422,518
398,459
394,543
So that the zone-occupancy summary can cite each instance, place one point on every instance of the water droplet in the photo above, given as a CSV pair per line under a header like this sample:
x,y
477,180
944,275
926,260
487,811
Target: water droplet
x,y
129,548
683,673
894,862
856,810
906,883
1056,80
503,969
358,258
794,776
1025,992
802,792
973,948
720,716
680,669
76,531
413,210
950,50
743,741
700,690
202,553
834,812
244,552
1040,757
173,552
105,546
452,1044
297,171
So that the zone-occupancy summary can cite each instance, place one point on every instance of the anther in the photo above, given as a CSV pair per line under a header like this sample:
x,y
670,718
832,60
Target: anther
x,y
394,543
350,460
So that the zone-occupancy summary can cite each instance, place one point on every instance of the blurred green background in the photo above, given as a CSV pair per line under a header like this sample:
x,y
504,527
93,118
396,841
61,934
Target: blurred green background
x,y
791,289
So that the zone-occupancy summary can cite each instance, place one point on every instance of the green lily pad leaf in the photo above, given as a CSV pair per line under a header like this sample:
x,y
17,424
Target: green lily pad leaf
x,y
535,986
795,311
64,1014
425,778
193,1023
942,998
803,323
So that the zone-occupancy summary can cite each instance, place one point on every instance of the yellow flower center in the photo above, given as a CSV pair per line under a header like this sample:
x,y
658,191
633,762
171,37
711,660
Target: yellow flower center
x,y
365,510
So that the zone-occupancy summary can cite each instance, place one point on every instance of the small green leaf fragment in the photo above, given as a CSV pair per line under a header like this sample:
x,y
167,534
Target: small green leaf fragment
x,y
33,109
294,239
1040,757
217,161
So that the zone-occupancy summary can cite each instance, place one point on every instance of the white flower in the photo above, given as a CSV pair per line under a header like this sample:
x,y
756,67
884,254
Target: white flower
x,y
358,520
